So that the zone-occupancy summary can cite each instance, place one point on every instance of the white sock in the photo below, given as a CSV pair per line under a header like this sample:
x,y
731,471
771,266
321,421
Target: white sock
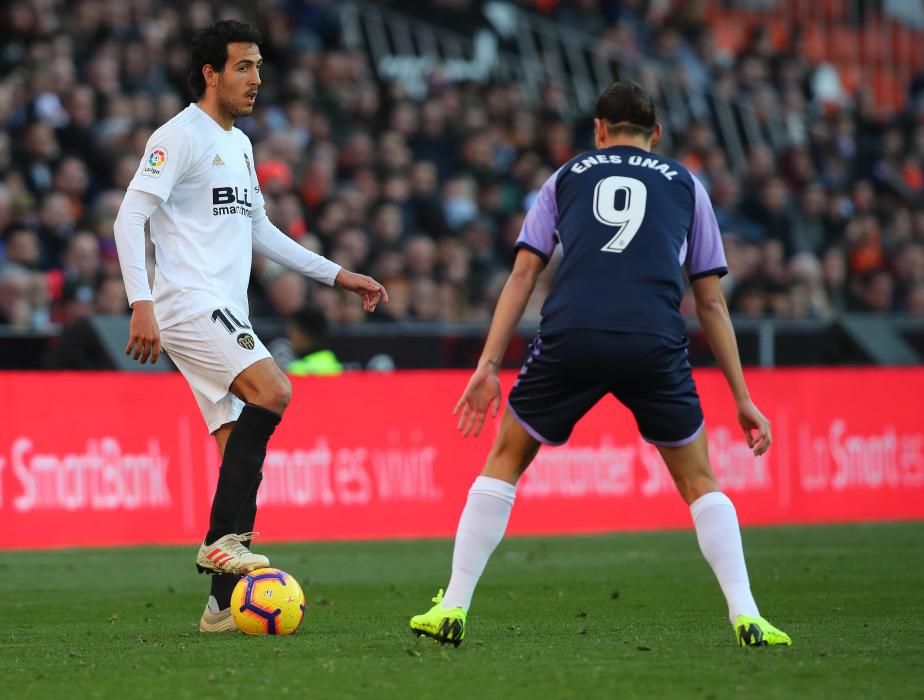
x,y
720,542
481,528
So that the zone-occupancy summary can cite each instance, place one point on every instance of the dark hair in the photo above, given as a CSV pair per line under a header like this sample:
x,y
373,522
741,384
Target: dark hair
x,y
626,107
210,48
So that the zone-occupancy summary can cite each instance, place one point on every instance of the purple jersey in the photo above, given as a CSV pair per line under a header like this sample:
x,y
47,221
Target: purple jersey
x,y
629,222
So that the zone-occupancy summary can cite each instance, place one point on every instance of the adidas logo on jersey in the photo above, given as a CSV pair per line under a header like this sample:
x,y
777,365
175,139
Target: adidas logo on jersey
x,y
217,160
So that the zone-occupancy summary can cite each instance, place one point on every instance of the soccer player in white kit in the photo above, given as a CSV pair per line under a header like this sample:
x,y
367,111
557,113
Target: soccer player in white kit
x,y
197,186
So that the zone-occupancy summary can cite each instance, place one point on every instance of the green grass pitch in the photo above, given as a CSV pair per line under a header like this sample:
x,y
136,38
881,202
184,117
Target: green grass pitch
x,y
620,616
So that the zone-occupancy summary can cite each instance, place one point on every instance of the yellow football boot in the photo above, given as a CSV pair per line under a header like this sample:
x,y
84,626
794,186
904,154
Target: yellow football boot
x,y
441,625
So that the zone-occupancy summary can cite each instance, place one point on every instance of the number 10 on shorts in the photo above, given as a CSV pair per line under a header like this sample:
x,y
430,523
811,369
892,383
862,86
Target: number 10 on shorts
x,y
228,320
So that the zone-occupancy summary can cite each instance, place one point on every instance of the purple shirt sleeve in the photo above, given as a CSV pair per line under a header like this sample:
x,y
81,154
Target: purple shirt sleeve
x,y
540,227
704,252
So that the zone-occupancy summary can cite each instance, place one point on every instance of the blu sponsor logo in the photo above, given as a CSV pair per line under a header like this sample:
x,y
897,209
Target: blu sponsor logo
x,y
231,200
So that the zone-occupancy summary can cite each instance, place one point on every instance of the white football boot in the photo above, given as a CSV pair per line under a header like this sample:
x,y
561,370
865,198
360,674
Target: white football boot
x,y
228,555
215,620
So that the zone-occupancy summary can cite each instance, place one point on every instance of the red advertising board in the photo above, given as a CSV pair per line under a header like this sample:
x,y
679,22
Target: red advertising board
x,y
118,459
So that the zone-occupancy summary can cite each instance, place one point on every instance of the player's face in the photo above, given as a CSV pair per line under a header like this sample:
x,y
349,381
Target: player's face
x,y
239,81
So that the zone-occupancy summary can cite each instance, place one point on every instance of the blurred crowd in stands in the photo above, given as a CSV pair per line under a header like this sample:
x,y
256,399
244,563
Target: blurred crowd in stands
x,y
428,195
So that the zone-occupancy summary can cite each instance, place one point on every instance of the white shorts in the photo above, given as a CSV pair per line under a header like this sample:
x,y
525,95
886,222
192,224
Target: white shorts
x,y
210,351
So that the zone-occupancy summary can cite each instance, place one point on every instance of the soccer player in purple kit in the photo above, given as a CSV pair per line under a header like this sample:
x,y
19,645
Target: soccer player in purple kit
x,y
629,223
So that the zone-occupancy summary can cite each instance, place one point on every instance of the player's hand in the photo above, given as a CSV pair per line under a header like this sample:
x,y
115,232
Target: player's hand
x,y
371,291
144,335
752,420
482,393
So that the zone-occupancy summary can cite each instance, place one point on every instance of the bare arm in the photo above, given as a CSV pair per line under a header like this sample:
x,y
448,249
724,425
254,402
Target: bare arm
x,y
712,313
483,389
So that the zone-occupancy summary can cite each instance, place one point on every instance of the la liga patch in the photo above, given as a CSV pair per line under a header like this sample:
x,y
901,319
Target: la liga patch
x,y
154,165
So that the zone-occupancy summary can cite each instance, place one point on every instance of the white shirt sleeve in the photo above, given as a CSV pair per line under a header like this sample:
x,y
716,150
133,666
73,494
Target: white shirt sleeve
x,y
167,157
278,247
135,210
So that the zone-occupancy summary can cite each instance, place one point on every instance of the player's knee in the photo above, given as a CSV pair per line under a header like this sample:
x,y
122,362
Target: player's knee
x,y
276,396
507,460
282,395
285,391
692,486
500,450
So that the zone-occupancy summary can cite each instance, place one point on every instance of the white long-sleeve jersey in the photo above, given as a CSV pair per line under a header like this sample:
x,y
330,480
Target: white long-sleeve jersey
x,y
198,186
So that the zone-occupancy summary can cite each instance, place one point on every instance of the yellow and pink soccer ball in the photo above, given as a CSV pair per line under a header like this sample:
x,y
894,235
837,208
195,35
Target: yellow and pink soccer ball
x,y
268,601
